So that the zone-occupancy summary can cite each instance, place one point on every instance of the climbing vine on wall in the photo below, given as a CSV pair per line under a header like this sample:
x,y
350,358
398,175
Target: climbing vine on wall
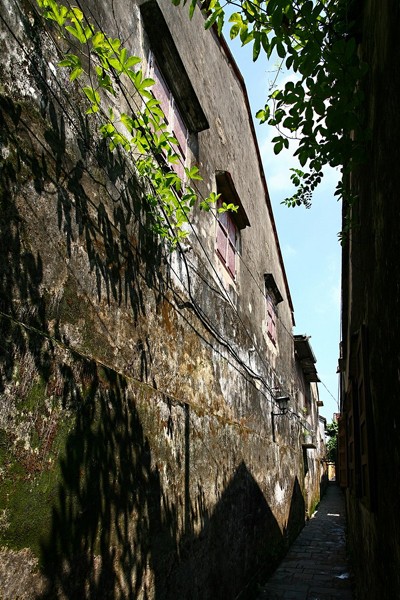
x,y
142,132
323,107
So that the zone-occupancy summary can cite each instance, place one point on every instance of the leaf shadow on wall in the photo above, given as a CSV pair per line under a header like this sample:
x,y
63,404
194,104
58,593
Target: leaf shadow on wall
x,y
111,519
109,499
116,529
48,219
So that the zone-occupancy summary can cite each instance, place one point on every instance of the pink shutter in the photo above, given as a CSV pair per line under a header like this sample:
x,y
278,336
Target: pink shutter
x,y
271,319
180,132
221,242
231,230
231,259
226,240
273,325
161,91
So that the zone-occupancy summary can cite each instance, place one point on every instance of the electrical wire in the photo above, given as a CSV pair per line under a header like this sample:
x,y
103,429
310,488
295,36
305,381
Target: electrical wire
x,y
138,382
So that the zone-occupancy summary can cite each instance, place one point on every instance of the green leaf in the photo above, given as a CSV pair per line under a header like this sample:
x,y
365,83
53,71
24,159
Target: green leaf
x,y
211,19
77,32
94,97
319,106
193,174
236,18
76,13
276,19
280,48
91,94
303,157
98,39
256,47
147,83
128,122
234,31
132,61
265,42
192,8
75,73
263,114
115,44
116,64
71,60
276,95
204,205
228,207
278,147
246,36
93,109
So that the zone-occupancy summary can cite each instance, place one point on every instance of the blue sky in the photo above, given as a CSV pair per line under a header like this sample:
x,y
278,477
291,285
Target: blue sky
x,y
308,237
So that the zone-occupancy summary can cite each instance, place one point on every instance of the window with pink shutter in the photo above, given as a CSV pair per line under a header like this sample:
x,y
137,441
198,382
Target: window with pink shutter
x,y
272,299
229,224
227,239
173,117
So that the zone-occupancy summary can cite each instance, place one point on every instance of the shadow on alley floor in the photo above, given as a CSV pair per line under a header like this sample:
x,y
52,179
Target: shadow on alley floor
x,y
316,566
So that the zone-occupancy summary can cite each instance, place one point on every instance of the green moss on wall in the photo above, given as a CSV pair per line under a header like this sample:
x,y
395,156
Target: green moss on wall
x,y
34,400
29,491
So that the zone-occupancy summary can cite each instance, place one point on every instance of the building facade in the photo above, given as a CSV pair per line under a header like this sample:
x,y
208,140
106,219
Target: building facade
x,y
154,404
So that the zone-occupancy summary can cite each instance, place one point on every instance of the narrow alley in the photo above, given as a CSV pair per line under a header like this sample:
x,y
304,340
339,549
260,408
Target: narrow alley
x,y
316,566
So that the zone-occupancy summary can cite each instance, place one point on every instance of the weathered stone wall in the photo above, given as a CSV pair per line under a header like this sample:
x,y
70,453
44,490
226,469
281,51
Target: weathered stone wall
x,y
137,454
371,297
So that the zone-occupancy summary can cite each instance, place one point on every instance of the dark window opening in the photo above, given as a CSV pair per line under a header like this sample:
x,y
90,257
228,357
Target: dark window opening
x,y
173,69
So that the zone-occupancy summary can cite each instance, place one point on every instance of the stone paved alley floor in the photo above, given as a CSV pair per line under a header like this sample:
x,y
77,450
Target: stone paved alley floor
x,y
316,566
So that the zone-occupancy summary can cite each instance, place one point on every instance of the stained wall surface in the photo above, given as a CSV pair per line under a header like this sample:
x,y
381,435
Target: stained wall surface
x,y
138,454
